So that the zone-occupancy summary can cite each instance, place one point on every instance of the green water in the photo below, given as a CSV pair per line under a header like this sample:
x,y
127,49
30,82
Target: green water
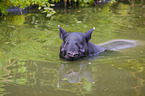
x,y
29,53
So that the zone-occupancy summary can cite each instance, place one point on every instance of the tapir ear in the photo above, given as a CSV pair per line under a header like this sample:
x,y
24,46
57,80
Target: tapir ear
x,y
88,33
62,32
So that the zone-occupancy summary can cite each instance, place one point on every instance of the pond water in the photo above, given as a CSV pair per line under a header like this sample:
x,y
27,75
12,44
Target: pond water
x,y
29,53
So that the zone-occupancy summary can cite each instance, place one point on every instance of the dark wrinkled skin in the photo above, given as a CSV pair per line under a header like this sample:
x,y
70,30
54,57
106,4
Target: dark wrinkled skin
x,y
76,45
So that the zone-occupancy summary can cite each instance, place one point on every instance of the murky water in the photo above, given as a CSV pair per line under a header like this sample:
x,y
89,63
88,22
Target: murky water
x,y
29,53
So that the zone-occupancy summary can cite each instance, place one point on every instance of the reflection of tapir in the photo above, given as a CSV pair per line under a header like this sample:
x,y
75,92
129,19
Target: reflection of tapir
x,y
76,45
74,73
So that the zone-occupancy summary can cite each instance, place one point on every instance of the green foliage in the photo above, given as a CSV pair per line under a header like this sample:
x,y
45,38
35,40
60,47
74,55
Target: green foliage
x,y
43,4
3,6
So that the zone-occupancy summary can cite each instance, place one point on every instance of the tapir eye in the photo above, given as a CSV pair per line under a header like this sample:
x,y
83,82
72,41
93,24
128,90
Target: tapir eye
x,y
76,44
81,43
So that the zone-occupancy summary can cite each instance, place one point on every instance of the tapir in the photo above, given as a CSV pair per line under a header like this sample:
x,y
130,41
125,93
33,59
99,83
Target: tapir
x,y
76,45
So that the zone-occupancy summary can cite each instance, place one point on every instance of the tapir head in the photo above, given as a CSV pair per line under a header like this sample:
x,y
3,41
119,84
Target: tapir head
x,y
75,44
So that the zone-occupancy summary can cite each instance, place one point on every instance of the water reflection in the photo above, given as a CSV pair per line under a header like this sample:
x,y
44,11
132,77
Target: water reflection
x,y
76,77
73,73
42,78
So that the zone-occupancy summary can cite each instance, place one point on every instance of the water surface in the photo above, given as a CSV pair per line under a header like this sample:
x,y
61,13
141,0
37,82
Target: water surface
x,y
29,53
